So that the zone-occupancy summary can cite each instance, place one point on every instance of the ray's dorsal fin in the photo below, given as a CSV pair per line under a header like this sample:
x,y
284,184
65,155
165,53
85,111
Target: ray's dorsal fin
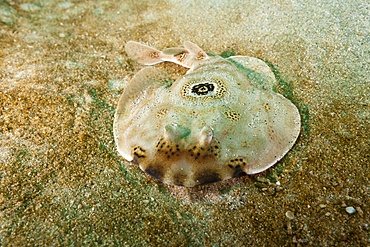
x,y
196,50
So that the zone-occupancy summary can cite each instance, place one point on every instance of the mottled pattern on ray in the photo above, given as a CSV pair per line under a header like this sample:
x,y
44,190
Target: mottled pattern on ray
x,y
219,119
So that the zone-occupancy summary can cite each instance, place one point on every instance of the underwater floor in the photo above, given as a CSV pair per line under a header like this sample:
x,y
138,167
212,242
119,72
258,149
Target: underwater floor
x,y
63,68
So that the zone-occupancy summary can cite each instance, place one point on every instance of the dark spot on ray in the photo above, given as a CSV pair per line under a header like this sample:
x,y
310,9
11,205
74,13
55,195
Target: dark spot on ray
x,y
155,170
237,170
139,152
179,178
207,176
139,156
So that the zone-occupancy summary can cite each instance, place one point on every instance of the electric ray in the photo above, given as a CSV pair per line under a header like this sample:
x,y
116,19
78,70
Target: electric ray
x,y
219,119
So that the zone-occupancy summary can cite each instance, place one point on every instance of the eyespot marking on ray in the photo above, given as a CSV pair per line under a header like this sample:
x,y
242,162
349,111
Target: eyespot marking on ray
x,y
204,89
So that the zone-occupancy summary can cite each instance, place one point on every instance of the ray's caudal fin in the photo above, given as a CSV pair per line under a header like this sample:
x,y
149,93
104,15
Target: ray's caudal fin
x,y
143,54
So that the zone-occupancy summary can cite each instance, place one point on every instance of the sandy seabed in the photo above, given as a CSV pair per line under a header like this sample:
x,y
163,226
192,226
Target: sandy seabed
x,y
63,69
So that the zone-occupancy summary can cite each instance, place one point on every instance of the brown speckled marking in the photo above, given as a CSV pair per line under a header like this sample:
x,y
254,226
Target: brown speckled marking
x,y
266,107
138,152
245,144
161,113
167,163
181,57
233,115
237,164
271,132
198,152
201,55
153,54
167,148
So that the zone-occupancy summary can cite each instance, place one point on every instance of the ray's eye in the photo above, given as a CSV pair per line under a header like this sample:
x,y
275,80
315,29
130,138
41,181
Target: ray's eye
x,y
203,88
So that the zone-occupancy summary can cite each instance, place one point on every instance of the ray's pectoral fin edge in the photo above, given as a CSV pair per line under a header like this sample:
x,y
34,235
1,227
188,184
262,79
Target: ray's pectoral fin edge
x,y
148,79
